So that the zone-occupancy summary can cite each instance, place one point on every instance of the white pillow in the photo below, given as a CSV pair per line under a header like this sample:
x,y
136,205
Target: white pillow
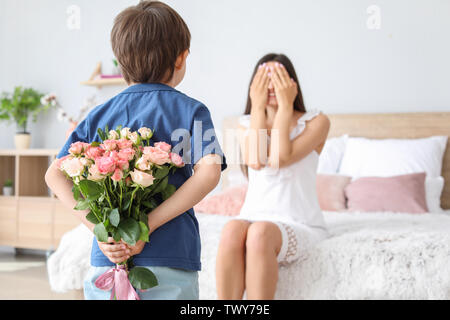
x,y
433,191
331,155
391,157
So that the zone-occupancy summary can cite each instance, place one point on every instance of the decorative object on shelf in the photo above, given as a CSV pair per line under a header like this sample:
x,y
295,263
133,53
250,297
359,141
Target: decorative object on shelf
x,y
116,69
73,121
19,106
98,79
8,188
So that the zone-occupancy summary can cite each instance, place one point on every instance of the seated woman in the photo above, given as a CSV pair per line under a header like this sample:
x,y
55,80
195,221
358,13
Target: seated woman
x,y
281,216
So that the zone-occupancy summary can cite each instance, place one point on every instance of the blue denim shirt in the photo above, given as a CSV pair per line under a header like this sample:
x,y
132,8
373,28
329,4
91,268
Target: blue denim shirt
x,y
179,120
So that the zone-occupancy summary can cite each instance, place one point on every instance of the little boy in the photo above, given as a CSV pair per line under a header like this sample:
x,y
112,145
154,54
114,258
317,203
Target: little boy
x,y
151,43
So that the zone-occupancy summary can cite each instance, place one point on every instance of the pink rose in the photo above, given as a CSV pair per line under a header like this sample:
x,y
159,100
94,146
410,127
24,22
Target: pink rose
x,y
141,178
78,147
126,154
72,166
94,152
124,144
156,155
105,164
122,164
163,146
176,160
94,173
109,145
117,175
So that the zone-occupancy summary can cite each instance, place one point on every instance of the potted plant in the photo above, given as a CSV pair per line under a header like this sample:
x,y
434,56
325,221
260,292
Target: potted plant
x,y
18,107
8,188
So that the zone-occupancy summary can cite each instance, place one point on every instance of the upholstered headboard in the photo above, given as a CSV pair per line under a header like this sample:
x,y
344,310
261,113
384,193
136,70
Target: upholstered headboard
x,y
375,126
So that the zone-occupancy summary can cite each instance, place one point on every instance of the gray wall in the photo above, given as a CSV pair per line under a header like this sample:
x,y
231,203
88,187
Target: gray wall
x,y
343,65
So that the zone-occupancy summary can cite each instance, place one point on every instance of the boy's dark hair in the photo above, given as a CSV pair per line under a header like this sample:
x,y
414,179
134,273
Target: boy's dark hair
x,y
147,39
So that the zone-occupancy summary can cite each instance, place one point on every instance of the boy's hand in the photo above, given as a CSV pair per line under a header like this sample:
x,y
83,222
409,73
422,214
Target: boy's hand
x,y
137,248
116,252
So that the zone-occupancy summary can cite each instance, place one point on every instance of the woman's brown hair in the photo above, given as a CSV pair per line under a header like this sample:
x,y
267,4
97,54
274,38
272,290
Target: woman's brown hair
x,y
147,39
298,101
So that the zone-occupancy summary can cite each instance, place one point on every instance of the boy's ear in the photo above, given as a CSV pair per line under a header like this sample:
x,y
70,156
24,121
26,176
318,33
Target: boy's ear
x,y
181,59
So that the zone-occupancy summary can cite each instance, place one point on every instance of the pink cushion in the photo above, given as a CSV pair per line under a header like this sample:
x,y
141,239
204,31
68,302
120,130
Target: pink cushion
x,y
405,193
330,191
228,202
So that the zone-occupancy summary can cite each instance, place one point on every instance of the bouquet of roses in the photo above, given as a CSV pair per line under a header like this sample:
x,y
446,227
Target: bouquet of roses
x,y
120,181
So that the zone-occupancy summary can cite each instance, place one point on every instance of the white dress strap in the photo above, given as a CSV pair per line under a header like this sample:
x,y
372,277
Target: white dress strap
x,y
244,120
301,122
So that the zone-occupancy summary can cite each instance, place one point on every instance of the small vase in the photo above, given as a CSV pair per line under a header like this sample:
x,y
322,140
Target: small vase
x,y
7,191
22,140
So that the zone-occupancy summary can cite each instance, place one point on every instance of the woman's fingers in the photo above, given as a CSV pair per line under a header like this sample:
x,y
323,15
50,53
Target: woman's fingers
x,y
285,79
276,80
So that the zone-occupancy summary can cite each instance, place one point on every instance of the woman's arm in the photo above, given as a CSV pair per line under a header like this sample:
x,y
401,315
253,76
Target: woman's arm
x,y
283,151
251,147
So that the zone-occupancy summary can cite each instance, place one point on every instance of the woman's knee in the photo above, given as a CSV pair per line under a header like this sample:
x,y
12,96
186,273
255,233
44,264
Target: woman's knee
x,y
234,235
263,237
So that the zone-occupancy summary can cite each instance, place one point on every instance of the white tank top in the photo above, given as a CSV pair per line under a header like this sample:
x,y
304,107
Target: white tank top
x,y
286,194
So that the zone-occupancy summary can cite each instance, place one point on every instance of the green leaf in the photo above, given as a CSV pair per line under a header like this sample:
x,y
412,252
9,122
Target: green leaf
x,y
95,144
76,193
126,204
90,189
101,134
116,235
92,218
129,231
100,232
82,205
114,217
162,185
144,231
169,191
161,172
142,278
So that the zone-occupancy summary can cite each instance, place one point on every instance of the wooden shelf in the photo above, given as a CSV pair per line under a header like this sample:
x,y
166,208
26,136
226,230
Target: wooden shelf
x,y
98,82
104,82
33,217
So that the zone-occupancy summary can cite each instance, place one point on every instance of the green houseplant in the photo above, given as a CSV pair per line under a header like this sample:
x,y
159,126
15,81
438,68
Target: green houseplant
x,y
18,106
8,188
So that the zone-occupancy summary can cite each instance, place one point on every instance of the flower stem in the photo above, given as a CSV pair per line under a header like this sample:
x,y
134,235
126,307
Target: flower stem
x,y
131,202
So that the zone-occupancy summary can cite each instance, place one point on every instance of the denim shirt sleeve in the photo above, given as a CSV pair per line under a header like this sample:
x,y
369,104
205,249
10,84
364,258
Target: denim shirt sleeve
x,y
204,139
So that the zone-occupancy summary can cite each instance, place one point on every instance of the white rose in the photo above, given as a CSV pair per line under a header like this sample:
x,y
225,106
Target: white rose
x,y
133,136
124,132
141,178
145,133
113,135
143,163
73,167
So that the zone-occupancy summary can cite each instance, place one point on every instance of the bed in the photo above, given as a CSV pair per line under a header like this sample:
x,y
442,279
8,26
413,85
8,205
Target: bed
x,y
376,255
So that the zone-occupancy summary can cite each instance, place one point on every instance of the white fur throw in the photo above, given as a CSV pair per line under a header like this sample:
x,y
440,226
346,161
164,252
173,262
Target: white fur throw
x,y
369,256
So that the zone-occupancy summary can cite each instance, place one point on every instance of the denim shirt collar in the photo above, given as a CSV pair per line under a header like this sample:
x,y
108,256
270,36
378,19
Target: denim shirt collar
x,y
145,87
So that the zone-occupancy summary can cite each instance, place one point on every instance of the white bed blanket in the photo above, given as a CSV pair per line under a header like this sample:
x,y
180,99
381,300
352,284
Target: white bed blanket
x,y
368,256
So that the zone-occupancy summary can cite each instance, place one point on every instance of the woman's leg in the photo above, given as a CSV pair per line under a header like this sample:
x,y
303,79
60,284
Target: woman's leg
x,y
263,245
230,262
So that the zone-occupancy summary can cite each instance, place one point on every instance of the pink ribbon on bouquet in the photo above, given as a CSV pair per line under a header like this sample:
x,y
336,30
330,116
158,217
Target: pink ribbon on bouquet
x,y
116,280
